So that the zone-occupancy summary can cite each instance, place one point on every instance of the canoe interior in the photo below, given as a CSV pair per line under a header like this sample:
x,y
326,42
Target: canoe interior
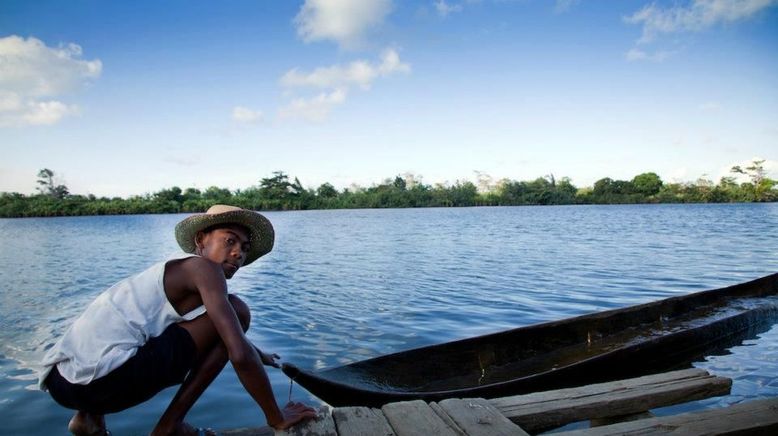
x,y
640,339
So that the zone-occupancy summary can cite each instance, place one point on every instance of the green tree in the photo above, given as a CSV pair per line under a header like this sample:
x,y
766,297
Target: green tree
x,y
326,190
541,190
48,186
192,194
399,183
463,194
755,172
647,184
762,185
603,187
276,187
565,191
609,191
217,195
173,194
278,192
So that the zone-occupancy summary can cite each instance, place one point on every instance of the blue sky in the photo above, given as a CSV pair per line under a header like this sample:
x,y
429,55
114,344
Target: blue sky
x,y
125,98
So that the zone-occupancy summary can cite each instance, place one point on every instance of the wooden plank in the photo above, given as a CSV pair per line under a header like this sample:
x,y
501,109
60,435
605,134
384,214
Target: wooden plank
x,y
415,418
447,419
322,425
598,388
359,421
597,422
545,410
477,417
248,431
759,417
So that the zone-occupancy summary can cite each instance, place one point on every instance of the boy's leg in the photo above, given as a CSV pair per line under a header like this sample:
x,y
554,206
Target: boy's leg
x,y
84,423
211,359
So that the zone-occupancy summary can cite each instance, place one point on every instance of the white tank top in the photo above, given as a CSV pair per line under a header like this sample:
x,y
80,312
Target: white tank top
x,y
114,325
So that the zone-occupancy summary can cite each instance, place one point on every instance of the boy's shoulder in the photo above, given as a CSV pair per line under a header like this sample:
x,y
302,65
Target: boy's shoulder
x,y
189,264
185,276
185,269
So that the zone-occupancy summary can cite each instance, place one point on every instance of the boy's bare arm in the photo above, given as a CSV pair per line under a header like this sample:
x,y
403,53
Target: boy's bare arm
x,y
212,286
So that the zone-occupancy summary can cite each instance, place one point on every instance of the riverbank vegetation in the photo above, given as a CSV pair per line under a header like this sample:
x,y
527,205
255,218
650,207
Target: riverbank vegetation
x,y
279,192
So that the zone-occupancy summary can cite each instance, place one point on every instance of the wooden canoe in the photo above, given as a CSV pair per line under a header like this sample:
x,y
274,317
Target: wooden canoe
x,y
598,347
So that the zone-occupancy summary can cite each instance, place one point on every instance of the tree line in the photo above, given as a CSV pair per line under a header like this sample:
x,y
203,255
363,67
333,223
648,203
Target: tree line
x,y
279,192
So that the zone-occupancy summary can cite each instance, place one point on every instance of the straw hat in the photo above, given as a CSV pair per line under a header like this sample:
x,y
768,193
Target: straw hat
x,y
260,230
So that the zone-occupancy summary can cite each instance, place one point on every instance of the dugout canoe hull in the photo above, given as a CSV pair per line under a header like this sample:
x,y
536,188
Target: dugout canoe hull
x,y
603,346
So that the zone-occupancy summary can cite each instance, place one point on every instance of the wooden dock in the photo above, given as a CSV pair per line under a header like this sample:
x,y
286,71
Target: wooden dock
x,y
614,408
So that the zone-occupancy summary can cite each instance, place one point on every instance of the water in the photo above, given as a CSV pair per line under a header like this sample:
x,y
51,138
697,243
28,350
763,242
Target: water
x,y
342,286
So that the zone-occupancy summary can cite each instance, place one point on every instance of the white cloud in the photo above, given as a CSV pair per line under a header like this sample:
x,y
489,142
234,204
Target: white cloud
x,y
390,63
47,112
360,73
636,54
343,21
336,80
314,109
444,9
346,22
563,6
699,15
16,111
245,115
9,101
357,72
30,72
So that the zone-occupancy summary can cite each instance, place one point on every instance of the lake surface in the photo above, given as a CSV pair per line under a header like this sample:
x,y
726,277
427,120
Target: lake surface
x,y
347,285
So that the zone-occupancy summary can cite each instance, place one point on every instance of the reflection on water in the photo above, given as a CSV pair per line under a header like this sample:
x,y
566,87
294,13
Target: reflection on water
x,y
343,286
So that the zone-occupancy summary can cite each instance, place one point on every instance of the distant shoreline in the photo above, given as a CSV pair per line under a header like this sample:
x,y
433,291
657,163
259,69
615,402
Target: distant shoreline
x,y
279,193
163,212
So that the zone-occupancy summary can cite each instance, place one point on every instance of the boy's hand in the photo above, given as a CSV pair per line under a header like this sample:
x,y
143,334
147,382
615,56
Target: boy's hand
x,y
269,359
294,413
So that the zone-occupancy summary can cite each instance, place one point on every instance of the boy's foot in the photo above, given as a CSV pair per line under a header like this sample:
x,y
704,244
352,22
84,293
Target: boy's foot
x,y
87,424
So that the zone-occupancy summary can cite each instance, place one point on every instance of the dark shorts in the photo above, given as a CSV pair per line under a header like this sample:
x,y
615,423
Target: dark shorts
x,y
161,362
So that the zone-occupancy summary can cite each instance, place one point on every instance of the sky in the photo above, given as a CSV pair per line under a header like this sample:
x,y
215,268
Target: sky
x,y
128,98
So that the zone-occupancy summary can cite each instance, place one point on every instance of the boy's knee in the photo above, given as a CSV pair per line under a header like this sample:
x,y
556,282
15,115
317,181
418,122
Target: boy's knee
x,y
242,310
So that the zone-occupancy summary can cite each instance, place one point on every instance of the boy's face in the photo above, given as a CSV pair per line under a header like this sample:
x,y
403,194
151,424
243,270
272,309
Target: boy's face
x,y
226,246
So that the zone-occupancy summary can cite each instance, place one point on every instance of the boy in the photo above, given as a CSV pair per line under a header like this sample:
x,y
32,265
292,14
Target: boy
x,y
172,324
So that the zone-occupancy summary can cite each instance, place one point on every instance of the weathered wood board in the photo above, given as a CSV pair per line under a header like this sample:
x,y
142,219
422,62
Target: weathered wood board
x,y
322,425
546,410
477,417
360,421
252,431
759,417
415,418
447,419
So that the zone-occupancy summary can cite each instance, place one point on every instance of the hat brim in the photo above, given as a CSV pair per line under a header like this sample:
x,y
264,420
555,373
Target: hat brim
x,y
261,234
